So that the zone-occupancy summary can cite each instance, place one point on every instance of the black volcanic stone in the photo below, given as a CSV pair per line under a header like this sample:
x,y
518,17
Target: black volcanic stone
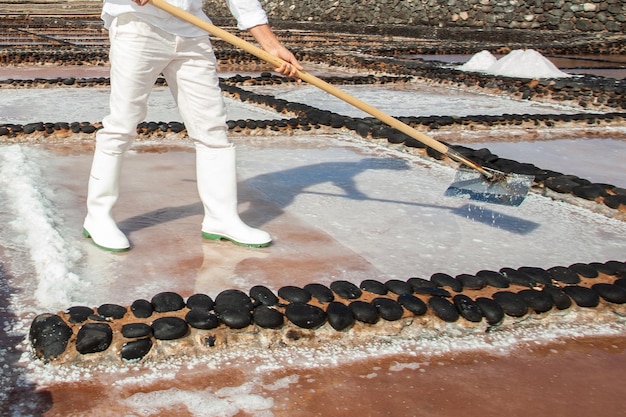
x,y
564,275
134,330
267,317
200,302
345,289
94,337
539,275
517,277
49,336
399,287
561,300
468,308
439,292
493,312
375,287
471,282
388,309
113,311
364,312
79,314
512,303
167,301
304,315
142,309
443,309
617,266
537,300
235,317
604,268
445,280
135,350
589,192
321,292
413,304
200,318
561,184
615,201
585,270
263,295
493,278
294,294
232,299
582,296
339,316
421,283
611,293
169,328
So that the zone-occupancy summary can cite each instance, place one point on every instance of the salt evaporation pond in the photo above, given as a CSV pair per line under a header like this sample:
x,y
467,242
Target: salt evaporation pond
x,y
339,208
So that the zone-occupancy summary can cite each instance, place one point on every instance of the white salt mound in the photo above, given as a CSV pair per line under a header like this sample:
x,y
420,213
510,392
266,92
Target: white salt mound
x,y
520,63
479,62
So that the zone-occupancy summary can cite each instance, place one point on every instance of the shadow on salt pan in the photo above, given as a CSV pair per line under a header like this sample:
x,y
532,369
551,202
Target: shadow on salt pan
x,y
494,219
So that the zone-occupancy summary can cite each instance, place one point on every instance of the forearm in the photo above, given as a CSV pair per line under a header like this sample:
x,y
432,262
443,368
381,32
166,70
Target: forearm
x,y
266,38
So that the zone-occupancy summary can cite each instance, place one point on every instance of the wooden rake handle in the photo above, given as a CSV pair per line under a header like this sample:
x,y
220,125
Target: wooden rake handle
x,y
313,80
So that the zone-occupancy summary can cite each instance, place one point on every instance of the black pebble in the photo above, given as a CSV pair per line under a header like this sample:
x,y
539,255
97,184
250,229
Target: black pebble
x,y
375,287
517,277
294,294
561,300
493,278
94,337
345,289
267,317
418,283
79,314
582,296
200,318
364,312
169,328
134,330
604,268
443,309
136,349
439,292
540,275
321,292
493,312
564,275
399,287
232,299
263,295
512,303
611,293
304,315
167,301
413,304
49,336
537,300
113,311
445,280
471,282
388,309
468,308
339,316
235,317
200,302
142,309
585,270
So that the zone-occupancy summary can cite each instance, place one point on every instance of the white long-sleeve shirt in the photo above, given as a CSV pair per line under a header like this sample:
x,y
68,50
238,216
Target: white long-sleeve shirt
x,y
248,13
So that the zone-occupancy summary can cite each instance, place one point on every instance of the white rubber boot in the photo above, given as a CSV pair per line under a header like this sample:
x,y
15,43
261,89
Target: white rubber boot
x,y
102,193
217,186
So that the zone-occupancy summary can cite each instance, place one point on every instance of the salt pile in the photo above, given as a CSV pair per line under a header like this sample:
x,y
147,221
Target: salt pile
x,y
520,63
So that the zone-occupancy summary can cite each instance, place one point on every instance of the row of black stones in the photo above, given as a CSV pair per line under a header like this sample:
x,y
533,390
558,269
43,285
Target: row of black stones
x,y
544,289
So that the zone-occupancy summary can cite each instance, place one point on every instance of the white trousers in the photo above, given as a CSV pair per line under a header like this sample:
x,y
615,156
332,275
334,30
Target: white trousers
x,y
141,52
